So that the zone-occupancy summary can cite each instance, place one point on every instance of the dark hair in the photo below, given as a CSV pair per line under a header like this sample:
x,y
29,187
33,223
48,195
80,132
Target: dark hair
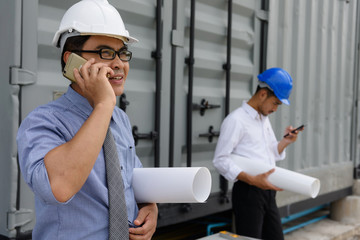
x,y
73,43
268,91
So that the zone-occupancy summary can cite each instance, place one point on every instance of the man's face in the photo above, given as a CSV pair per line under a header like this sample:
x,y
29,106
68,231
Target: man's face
x,y
269,105
120,68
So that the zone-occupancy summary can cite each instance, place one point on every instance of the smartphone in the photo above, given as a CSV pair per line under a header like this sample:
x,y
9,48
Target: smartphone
x,y
296,129
74,61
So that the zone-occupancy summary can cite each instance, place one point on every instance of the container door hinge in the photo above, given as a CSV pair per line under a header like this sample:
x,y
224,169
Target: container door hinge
x,y
262,15
20,76
19,218
177,38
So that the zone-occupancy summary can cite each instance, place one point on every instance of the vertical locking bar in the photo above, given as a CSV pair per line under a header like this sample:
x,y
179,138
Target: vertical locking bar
x,y
172,88
158,58
224,185
190,61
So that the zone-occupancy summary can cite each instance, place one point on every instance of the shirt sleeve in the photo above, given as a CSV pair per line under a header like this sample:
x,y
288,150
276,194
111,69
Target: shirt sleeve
x,y
230,134
274,146
36,137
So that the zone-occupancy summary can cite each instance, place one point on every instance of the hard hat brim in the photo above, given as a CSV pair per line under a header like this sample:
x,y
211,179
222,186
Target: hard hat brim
x,y
285,101
127,40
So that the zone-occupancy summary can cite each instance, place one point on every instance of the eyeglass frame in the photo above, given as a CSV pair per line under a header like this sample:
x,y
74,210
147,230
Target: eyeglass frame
x,y
121,50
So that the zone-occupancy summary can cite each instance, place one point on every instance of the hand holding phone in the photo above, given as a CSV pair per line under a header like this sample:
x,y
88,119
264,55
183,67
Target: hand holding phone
x,y
296,129
74,61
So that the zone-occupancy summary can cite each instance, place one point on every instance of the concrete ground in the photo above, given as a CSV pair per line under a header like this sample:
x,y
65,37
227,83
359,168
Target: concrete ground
x,y
326,229
343,223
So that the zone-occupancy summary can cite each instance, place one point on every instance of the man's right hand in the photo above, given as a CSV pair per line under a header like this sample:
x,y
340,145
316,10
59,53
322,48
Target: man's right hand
x,y
93,83
260,180
69,165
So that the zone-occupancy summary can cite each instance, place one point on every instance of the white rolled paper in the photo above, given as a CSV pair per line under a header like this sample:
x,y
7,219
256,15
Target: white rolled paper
x,y
171,185
282,178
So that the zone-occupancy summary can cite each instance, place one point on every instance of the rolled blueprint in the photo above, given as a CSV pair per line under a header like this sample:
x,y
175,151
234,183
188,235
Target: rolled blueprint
x,y
171,185
282,178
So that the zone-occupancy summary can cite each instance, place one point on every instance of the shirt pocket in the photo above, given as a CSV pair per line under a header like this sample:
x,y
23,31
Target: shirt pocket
x,y
128,163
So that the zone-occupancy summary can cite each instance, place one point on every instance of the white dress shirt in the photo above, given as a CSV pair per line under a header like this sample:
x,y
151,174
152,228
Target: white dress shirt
x,y
249,134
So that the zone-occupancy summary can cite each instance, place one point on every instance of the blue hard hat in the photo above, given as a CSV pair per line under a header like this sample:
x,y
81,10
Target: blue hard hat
x,y
279,81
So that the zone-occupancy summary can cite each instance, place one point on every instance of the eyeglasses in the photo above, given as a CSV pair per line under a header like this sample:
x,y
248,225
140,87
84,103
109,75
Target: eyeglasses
x,y
110,54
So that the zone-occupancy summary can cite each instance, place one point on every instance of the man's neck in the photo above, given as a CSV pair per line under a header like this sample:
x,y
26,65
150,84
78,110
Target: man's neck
x,y
254,104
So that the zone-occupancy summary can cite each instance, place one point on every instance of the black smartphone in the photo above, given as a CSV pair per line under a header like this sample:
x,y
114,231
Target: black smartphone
x,y
296,129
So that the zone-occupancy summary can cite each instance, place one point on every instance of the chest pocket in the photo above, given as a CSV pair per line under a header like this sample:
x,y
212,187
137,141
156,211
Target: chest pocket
x,y
127,162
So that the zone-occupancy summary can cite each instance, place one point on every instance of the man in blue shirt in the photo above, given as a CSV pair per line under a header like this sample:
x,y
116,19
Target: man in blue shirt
x,y
60,144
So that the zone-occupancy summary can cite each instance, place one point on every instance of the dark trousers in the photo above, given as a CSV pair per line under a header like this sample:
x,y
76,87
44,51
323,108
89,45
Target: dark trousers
x,y
256,212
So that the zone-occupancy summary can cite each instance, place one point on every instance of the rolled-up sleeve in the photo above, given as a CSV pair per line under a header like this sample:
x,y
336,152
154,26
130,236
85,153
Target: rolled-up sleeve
x,y
36,137
278,156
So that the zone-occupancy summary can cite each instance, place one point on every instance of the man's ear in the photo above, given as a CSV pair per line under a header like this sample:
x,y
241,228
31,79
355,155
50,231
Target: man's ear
x,y
263,93
66,56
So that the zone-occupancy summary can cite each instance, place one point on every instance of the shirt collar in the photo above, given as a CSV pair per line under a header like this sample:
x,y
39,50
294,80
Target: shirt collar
x,y
79,101
252,112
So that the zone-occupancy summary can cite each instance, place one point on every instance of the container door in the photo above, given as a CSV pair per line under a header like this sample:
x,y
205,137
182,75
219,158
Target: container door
x,y
205,112
18,69
210,55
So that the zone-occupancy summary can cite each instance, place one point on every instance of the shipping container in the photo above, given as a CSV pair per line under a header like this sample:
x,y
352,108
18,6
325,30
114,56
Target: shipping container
x,y
195,62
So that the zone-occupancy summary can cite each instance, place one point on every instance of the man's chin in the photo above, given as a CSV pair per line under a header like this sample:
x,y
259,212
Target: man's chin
x,y
266,114
118,91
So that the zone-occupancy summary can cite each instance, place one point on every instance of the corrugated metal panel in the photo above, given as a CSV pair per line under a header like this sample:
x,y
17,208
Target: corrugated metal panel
x,y
209,76
315,42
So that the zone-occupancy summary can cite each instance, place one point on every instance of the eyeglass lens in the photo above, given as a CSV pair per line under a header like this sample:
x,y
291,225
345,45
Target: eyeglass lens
x,y
123,54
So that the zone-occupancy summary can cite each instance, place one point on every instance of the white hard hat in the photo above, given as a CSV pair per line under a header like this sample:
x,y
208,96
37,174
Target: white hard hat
x,y
93,17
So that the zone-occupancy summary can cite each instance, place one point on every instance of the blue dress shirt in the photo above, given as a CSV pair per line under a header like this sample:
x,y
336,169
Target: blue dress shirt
x,y
85,215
